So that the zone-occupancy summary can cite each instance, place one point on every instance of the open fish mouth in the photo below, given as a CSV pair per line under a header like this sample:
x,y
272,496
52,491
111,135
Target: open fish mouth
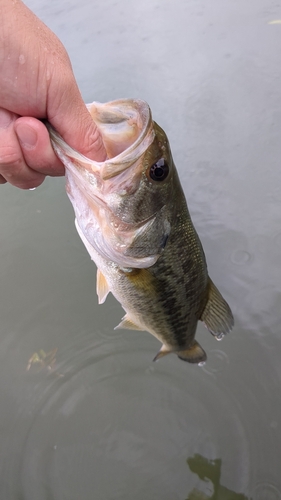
x,y
97,189
127,130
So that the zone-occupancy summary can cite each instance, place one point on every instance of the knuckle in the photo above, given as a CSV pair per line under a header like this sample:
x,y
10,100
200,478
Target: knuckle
x,y
94,142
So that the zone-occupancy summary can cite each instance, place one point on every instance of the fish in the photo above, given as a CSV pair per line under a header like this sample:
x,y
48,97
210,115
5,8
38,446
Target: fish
x,y
132,216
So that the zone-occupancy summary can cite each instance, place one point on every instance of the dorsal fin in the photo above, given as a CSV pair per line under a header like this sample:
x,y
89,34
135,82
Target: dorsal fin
x,y
128,324
102,287
217,314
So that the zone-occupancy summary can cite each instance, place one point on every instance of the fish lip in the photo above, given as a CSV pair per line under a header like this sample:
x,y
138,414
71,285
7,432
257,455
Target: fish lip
x,y
76,171
117,164
137,104
90,193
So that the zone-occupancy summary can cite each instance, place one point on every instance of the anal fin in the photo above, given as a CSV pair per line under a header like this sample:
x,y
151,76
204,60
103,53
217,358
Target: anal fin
x,y
217,314
162,352
128,324
194,354
102,287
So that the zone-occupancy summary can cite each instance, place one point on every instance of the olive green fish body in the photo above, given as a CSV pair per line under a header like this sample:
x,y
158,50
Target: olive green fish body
x,y
132,216
168,298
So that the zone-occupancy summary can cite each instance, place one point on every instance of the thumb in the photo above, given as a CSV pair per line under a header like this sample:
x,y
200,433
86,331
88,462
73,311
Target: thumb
x,y
74,123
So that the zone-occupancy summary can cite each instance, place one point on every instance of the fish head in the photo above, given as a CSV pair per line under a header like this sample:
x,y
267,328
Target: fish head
x,y
124,205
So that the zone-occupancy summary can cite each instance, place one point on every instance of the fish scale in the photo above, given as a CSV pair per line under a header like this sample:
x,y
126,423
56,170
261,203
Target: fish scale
x,y
132,216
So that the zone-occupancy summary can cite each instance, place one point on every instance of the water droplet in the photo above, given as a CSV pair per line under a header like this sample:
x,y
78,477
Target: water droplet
x,y
31,189
220,336
267,491
202,363
240,257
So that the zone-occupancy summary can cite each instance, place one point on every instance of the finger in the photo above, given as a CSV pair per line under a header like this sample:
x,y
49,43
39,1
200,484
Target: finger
x,y
12,164
36,147
70,117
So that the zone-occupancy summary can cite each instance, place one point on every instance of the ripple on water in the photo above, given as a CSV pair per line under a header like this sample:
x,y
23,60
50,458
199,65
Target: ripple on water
x,y
115,415
217,361
241,257
266,491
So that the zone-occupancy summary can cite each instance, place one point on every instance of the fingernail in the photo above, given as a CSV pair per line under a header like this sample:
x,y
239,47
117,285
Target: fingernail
x,y
27,135
6,118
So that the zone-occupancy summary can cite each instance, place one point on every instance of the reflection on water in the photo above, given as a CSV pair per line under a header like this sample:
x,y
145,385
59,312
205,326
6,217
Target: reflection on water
x,y
42,360
210,470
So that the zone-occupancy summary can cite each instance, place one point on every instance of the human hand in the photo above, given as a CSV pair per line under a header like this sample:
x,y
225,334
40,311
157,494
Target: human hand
x,y
37,82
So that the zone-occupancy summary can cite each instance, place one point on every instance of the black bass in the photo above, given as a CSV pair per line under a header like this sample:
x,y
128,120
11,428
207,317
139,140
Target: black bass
x,y
132,217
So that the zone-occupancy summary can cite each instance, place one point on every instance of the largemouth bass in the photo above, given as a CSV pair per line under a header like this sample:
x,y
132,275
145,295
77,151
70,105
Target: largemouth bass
x,y
132,217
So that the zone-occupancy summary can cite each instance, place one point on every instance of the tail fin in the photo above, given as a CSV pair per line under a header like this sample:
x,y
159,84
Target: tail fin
x,y
194,354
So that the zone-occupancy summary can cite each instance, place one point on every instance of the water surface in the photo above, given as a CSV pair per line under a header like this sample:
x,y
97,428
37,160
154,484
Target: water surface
x,y
96,419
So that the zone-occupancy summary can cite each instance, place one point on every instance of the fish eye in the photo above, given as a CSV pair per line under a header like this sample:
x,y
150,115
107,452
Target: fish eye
x,y
159,171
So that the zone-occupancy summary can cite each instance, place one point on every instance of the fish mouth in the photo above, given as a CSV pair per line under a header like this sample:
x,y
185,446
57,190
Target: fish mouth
x,y
127,131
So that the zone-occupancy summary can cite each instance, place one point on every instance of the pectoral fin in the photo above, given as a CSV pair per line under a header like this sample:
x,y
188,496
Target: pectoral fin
x,y
102,287
217,315
194,354
127,324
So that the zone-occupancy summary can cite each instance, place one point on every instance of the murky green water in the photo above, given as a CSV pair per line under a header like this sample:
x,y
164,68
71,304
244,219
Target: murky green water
x,y
94,418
